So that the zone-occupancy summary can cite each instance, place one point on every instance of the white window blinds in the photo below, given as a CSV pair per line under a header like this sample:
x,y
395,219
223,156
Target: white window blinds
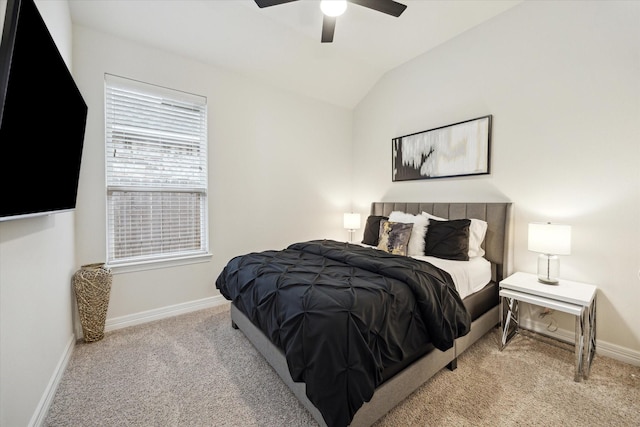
x,y
156,164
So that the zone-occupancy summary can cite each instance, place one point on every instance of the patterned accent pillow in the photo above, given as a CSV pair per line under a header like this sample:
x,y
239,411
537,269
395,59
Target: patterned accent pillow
x,y
394,237
420,223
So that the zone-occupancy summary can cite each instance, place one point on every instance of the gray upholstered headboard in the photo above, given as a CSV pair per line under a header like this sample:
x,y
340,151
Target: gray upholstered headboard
x,y
497,215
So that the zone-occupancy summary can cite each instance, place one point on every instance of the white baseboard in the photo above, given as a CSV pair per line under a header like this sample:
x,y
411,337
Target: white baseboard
x,y
163,313
603,348
42,409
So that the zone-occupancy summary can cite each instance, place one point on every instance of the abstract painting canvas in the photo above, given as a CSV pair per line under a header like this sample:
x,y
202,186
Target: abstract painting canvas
x,y
459,149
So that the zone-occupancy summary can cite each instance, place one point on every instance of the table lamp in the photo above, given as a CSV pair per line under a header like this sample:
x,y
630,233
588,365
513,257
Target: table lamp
x,y
550,240
351,223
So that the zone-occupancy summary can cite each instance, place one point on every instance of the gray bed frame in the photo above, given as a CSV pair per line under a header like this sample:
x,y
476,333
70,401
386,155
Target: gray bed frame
x,y
397,388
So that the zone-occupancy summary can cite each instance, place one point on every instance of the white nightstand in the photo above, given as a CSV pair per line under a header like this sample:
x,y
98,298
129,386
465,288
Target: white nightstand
x,y
574,298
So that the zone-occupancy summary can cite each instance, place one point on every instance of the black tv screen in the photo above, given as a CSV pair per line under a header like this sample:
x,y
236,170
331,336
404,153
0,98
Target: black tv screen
x,y
42,119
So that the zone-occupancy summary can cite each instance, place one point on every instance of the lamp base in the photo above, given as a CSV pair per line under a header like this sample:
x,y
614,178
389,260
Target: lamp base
x,y
548,269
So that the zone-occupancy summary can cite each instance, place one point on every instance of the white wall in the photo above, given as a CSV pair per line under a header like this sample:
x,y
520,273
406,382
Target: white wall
x,y
560,79
36,265
279,168
562,82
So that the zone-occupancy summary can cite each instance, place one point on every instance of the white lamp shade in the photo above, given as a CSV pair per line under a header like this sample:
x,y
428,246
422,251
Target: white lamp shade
x,y
352,221
551,239
333,7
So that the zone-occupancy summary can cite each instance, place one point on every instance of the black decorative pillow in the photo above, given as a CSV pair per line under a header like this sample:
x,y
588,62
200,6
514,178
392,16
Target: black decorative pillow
x,y
372,230
394,237
448,239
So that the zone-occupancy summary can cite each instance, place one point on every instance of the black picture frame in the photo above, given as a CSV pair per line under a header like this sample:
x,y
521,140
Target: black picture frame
x,y
459,149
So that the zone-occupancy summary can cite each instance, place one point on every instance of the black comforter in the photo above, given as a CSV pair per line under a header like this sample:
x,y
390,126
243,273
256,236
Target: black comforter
x,y
344,313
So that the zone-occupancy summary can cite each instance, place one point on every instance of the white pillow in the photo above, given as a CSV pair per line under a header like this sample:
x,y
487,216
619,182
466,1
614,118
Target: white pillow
x,y
477,232
416,241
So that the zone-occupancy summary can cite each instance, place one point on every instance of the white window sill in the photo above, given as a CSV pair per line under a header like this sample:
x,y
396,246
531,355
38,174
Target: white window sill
x,y
157,264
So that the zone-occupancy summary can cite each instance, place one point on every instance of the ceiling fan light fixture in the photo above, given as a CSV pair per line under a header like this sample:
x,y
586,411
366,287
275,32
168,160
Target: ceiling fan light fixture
x,y
333,7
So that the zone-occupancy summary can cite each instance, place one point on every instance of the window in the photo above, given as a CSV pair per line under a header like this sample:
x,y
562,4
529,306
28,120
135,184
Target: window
x,y
156,166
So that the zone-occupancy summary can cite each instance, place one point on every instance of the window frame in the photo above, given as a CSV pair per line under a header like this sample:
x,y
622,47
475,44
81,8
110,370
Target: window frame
x,y
166,190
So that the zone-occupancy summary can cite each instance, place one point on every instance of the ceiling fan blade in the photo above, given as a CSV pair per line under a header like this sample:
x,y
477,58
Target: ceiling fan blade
x,y
328,28
267,3
389,7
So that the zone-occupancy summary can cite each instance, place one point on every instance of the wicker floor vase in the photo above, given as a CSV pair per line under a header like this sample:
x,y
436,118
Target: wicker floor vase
x,y
92,286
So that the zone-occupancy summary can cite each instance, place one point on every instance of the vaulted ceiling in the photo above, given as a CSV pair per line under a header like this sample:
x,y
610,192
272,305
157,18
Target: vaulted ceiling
x,y
280,45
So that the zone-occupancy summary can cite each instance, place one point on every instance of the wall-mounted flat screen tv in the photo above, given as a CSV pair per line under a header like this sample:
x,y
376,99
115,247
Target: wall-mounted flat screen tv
x,y
42,119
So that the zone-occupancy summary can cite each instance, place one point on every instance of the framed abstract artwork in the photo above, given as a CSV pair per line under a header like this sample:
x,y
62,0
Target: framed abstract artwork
x,y
460,149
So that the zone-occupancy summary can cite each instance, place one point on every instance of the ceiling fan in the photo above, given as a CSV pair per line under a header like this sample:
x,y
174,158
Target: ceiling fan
x,y
334,8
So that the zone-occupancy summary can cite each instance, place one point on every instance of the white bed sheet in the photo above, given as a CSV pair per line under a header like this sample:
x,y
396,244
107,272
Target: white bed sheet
x,y
468,276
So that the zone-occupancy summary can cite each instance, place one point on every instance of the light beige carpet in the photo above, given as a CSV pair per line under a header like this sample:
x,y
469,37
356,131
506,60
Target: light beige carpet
x,y
195,370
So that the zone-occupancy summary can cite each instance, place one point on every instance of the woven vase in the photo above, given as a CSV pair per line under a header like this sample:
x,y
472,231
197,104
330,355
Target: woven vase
x,y
92,285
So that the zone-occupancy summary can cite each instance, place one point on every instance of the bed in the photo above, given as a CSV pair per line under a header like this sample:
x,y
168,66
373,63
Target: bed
x,y
353,330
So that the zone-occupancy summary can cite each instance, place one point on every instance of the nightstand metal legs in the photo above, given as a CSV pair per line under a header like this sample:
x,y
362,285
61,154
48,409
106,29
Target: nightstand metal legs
x,y
508,319
579,344
585,341
590,337
585,333
575,298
